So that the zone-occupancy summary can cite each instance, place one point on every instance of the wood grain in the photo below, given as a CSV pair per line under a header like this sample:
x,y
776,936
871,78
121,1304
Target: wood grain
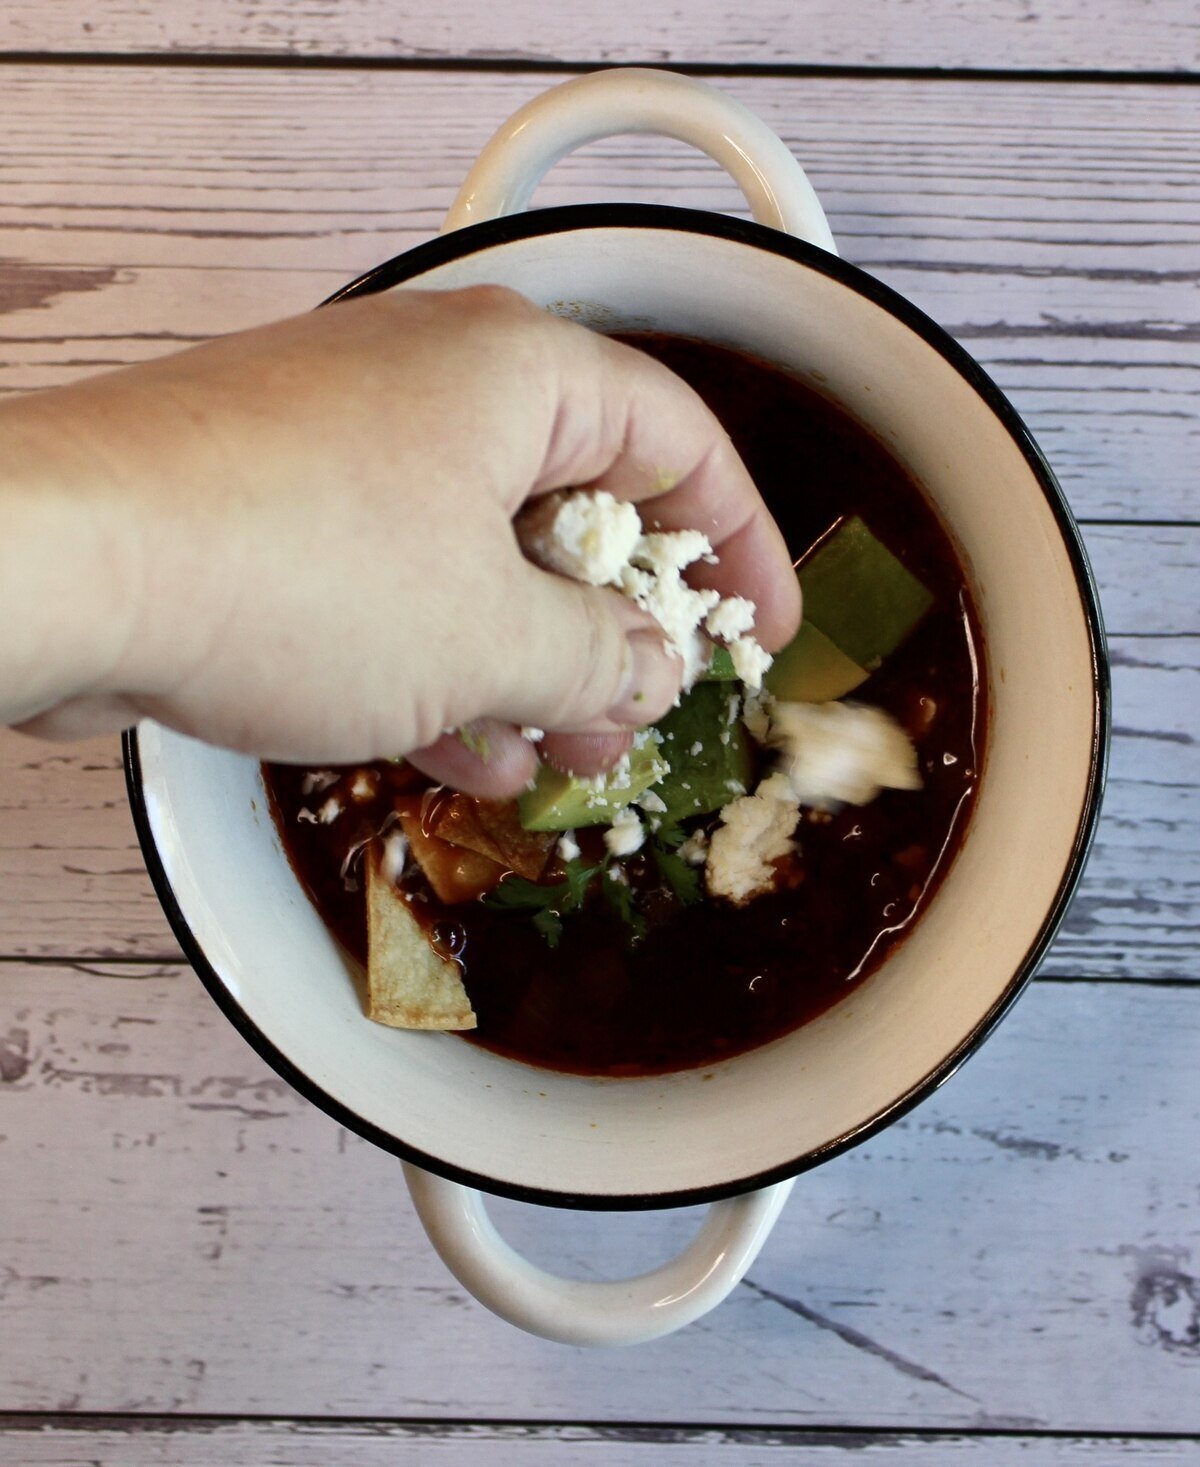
x,y
1051,227
182,1233
72,882
1124,35
172,1442
1012,1272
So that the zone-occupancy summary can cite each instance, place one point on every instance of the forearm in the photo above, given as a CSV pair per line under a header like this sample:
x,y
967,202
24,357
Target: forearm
x,y
67,562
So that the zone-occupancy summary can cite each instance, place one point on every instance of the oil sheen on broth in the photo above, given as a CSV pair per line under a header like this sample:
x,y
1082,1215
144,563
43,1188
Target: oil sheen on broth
x,y
714,980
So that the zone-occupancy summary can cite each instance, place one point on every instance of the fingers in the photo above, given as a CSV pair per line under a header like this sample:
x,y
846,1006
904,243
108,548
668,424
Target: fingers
x,y
495,761
627,424
585,753
485,758
574,659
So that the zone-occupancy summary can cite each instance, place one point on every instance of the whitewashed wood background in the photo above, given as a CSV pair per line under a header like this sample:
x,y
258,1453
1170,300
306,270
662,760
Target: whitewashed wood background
x,y
196,1267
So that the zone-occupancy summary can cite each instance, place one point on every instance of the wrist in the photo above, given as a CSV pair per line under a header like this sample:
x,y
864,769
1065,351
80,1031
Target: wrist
x,y
68,560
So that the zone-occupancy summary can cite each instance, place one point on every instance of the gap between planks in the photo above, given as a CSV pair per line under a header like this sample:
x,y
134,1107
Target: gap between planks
x,y
533,66
304,1443
1005,35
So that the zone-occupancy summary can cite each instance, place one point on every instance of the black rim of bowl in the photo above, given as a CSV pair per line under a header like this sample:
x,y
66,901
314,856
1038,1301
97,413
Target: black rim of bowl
x,y
488,235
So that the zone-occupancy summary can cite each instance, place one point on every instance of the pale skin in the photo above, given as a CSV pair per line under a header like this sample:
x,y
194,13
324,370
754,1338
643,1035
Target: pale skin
x,y
297,541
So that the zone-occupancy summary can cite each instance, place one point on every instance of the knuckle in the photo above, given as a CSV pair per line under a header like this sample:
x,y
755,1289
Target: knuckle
x,y
499,300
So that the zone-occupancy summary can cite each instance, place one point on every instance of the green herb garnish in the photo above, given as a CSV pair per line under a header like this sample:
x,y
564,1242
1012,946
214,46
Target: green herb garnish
x,y
548,904
684,880
619,896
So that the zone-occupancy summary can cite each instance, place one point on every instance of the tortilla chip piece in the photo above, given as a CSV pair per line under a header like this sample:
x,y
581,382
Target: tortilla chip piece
x,y
493,828
455,873
408,985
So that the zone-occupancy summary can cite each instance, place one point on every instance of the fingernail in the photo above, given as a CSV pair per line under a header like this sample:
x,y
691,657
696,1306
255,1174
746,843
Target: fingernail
x,y
651,684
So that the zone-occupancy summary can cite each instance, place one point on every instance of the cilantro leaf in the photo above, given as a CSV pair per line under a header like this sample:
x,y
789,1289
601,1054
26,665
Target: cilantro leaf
x,y
669,834
549,924
619,897
547,904
684,880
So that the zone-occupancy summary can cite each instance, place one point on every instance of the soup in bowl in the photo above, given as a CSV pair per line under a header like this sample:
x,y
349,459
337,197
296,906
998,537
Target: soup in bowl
x,y
975,514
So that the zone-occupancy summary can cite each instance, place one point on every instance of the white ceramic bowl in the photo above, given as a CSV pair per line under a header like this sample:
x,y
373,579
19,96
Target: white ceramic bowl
x,y
472,1117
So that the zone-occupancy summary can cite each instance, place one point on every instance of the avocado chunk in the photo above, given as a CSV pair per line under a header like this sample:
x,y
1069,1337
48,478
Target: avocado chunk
x,y
860,596
859,605
810,669
708,752
560,801
721,668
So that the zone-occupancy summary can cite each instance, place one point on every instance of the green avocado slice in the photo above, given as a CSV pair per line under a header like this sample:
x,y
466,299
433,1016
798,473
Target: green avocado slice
x,y
859,605
708,752
560,801
810,669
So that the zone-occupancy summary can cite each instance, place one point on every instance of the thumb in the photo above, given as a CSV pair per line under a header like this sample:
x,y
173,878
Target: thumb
x,y
582,659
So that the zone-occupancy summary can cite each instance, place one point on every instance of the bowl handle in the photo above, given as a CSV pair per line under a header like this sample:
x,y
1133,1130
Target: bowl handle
x,y
640,99
574,1312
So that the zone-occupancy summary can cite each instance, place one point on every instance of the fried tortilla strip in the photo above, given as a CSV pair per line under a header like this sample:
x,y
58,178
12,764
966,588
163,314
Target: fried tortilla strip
x,y
493,828
408,985
455,873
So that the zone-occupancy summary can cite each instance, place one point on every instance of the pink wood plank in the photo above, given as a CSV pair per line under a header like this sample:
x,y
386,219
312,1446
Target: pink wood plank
x,y
1157,35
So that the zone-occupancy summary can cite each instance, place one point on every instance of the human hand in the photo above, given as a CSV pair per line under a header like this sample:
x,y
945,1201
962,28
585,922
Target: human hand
x,y
297,541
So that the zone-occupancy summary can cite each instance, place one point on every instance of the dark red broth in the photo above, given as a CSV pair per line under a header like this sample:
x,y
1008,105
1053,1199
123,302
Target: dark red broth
x,y
711,981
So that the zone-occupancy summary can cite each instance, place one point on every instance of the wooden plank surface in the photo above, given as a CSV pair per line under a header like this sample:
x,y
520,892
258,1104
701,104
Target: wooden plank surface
x,y
188,1235
1012,1273
72,881
1051,227
1123,35
139,1442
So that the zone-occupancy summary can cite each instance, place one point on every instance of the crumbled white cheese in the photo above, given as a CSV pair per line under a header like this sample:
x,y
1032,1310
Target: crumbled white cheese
x,y
756,715
595,538
694,850
697,749
317,780
662,551
675,606
533,735
755,831
620,776
750,662
395,854
626,833
731,618
568,846
589,537
330,810
652,803
841,753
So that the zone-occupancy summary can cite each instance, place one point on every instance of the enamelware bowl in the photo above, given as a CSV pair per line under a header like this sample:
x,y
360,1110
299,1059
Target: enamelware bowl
x,y
734,1135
